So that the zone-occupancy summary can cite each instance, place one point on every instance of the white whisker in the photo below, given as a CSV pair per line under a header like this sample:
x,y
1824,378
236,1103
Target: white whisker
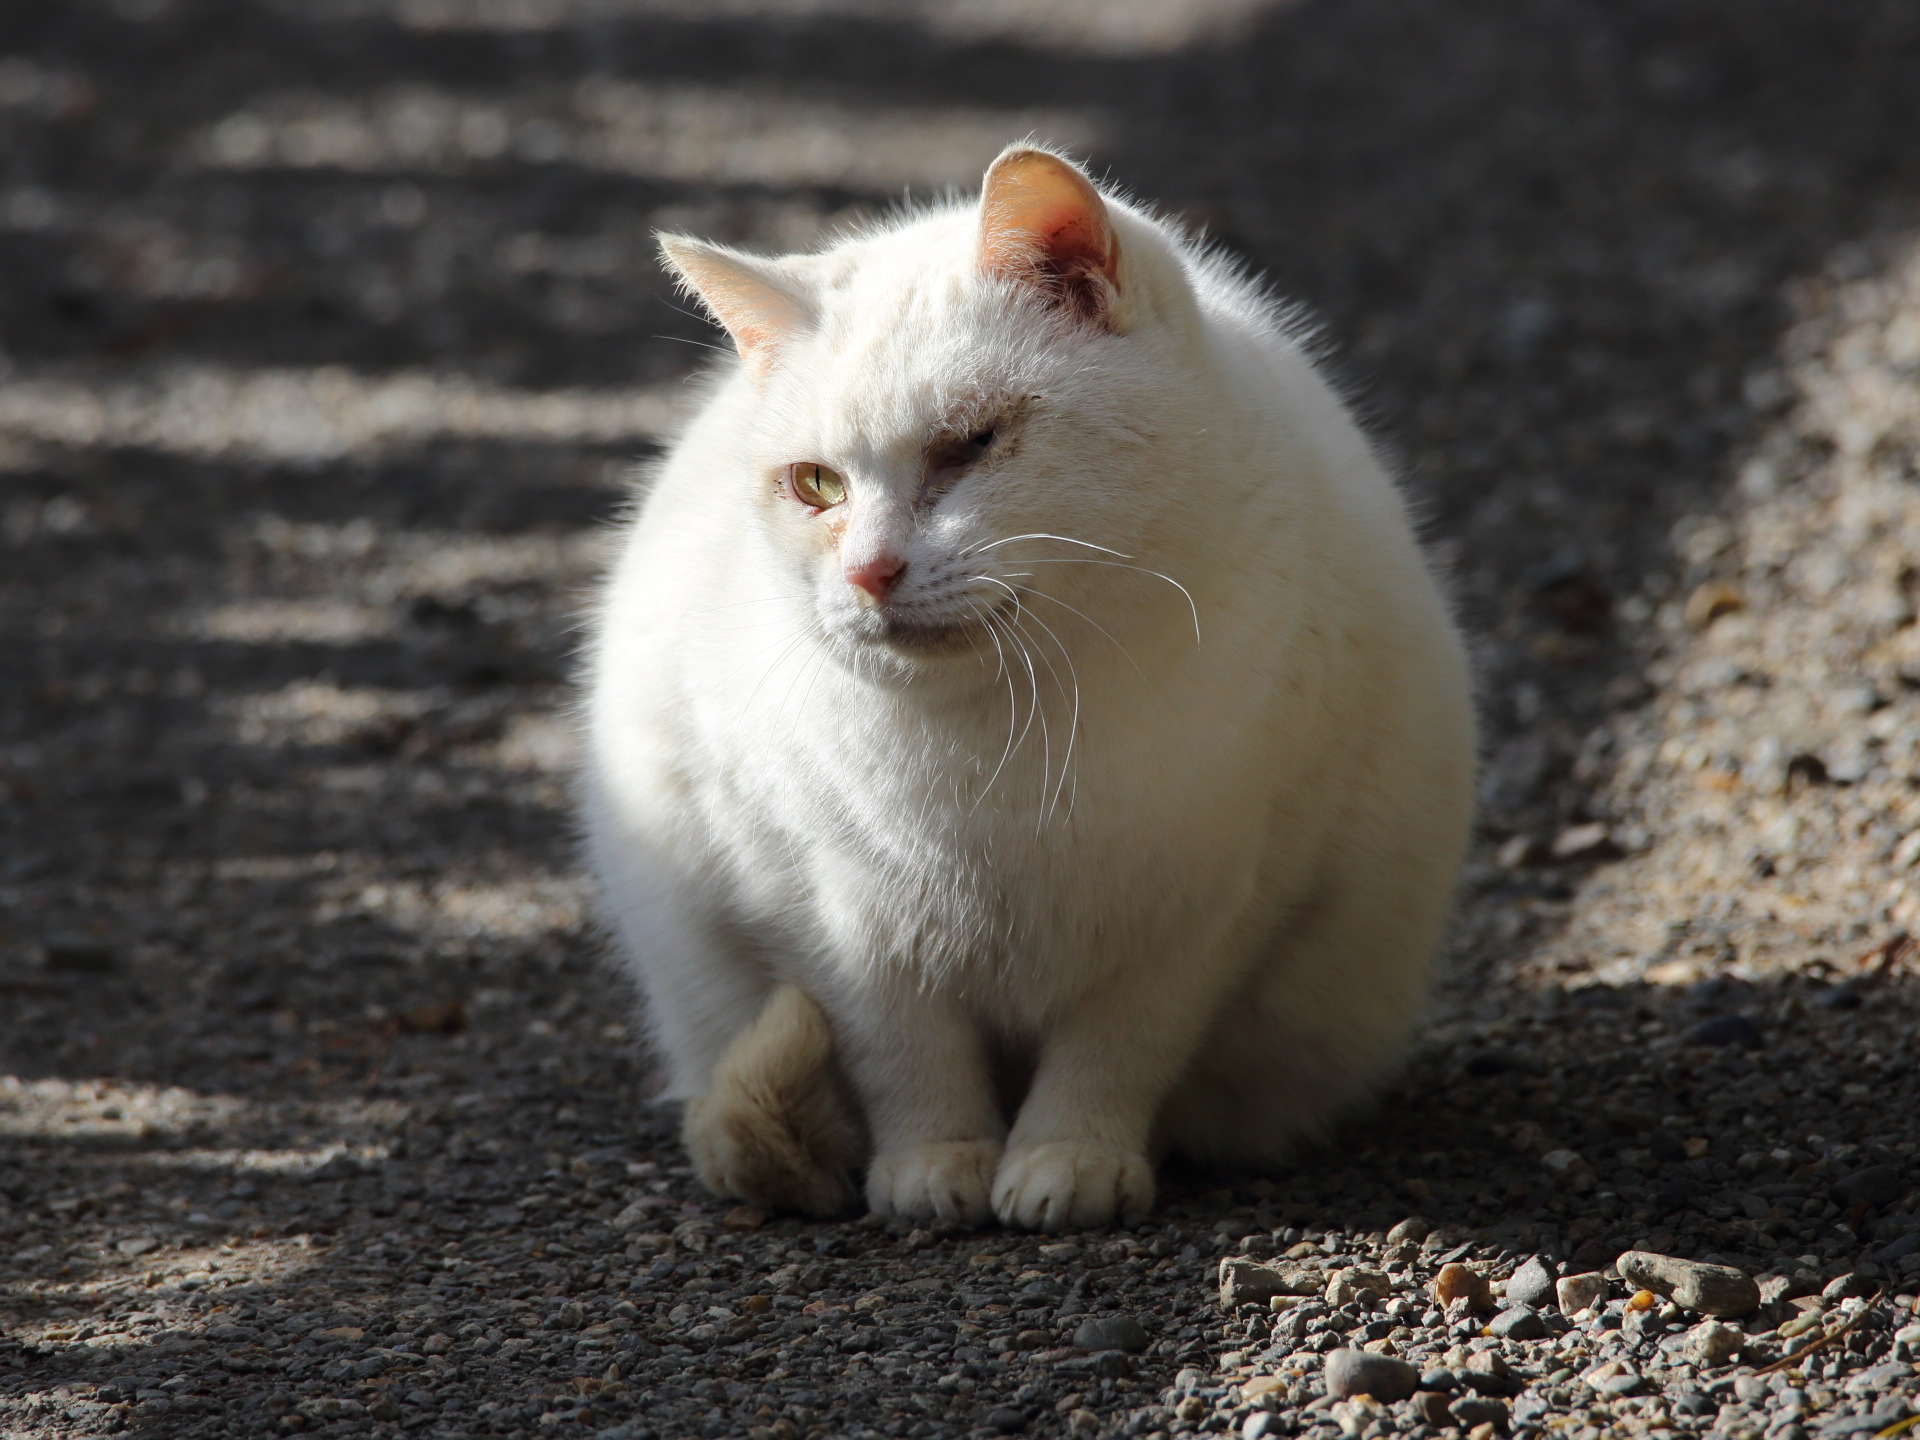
x,y
1042,535
1043,595
1080,560
1013,710
1073,727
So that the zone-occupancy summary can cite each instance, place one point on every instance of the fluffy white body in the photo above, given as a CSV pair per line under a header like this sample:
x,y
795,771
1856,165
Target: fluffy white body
x,y
1121,811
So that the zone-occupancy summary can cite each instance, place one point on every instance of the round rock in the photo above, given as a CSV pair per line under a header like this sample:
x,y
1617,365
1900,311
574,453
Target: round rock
x,y
1111,1332
1518,1322
1355,1372
1532,1284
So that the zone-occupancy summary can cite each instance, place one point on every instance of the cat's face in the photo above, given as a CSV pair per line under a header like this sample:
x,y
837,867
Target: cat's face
x,y
951,420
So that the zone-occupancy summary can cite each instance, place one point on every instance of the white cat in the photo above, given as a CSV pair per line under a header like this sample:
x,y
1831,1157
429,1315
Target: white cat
x,y
1023,734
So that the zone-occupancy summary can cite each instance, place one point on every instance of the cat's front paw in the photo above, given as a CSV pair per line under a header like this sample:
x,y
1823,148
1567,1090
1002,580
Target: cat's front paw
x,y
949,1180
1071,1185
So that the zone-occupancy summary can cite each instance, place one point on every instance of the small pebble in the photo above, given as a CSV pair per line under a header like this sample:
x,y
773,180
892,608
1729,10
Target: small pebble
x,y
1112,1332
1712,1344
1471,1410
1355,1372
1532,1284
1574,1293
1431,1407
1850,1286
1518,1322
1583,842
1346,1286
1457,1282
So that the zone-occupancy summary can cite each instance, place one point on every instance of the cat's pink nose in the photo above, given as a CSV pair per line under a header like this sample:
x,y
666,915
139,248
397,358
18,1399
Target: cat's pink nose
x,y
877,577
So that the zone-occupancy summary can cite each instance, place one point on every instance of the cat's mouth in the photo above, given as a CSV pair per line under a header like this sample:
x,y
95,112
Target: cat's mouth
x,y
925,636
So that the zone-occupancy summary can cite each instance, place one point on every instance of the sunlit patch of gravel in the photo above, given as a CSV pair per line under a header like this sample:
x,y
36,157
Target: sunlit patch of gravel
x,y
1768,786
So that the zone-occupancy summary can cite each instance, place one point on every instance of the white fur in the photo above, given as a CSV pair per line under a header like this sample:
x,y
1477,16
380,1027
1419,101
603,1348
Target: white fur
x,y
1092,884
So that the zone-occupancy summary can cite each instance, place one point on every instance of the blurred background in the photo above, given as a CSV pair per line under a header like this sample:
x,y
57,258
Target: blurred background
x,y
330,330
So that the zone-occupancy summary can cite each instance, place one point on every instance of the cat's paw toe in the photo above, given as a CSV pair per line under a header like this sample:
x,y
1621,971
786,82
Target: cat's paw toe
x,y
949,1180
1071,1185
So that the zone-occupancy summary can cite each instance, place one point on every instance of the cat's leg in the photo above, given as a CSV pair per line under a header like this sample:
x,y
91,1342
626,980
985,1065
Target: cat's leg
x,y
920,1067
766,1118
1077,1155
774,1126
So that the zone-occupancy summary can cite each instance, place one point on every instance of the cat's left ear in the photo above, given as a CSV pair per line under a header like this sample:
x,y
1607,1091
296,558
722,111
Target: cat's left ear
x,y
1043,224
746,294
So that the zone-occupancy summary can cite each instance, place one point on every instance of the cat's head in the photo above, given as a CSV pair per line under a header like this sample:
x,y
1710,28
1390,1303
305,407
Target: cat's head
x,y
967,424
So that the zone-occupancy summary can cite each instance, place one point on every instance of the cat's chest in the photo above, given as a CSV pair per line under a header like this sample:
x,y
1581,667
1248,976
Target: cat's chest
x,y
933,873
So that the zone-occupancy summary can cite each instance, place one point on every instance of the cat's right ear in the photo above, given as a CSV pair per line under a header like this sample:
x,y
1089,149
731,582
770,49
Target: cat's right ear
x,y
749,296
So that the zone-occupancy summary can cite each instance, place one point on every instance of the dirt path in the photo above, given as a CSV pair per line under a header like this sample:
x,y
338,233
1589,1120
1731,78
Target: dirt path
x,y
328,331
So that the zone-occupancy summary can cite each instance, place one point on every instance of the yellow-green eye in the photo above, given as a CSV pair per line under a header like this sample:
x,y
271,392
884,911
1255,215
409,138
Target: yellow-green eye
x,y
816,485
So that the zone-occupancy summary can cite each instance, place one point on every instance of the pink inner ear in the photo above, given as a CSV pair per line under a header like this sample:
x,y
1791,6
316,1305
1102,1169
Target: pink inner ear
x,y
1073,245
1042,221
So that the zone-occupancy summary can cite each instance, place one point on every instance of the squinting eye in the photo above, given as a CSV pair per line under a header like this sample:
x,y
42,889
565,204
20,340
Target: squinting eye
x,y
816,485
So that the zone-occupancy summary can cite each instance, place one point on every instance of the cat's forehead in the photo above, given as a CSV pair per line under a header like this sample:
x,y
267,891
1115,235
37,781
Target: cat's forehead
x,y
908,338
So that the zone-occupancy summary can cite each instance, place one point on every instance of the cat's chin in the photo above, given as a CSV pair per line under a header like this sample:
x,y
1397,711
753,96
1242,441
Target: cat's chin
x,y
918,638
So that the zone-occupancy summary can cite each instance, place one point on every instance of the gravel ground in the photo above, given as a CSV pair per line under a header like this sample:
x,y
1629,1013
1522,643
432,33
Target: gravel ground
x,y
330,330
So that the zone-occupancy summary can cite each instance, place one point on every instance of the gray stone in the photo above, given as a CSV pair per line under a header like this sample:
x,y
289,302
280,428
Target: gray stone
x,y
1532,1284
1711,1343
1531,1409
1518,1322
1111,1332
1244,1282
1497,1384
1472,1410
1718,1290
1906,1245
1875,1185
1355,1372
1855,1425
1880,1377
1410,1231
1850,1286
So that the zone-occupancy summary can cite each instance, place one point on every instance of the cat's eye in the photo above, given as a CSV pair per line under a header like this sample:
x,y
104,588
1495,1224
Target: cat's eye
x,y
957,453
816,485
